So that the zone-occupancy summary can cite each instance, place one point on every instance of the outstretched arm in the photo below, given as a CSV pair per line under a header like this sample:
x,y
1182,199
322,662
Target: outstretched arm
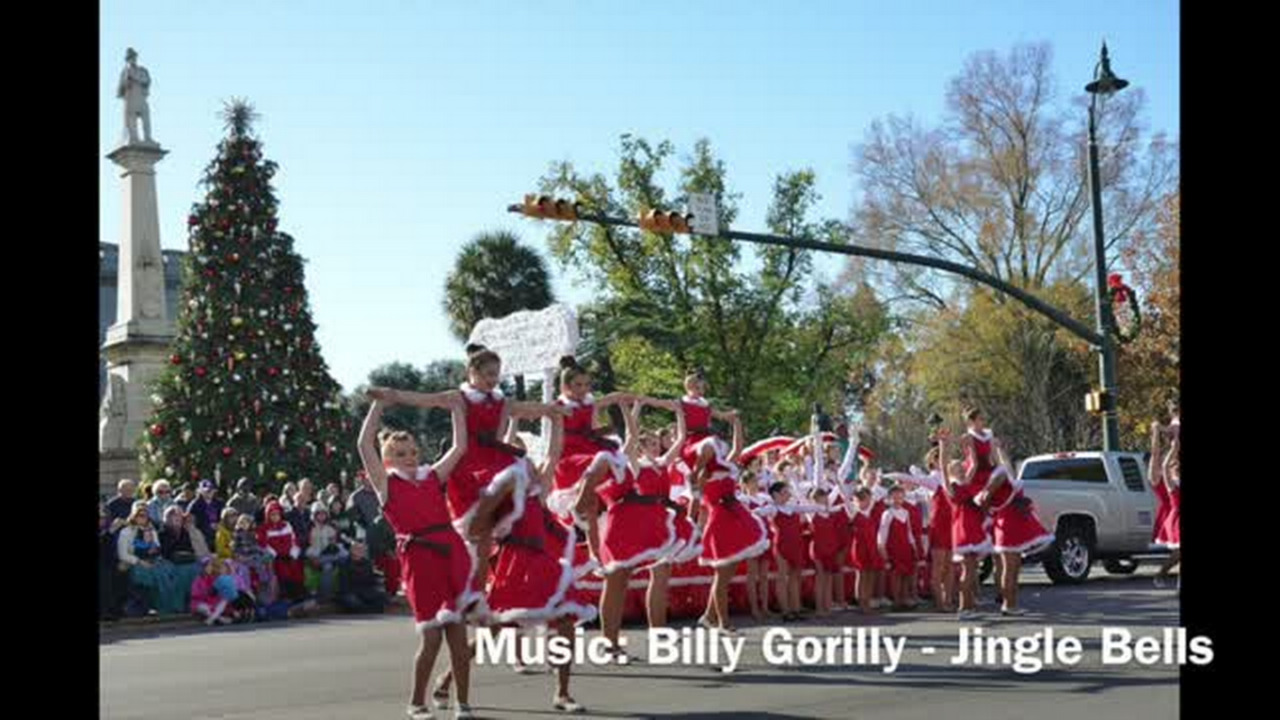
x,y
682,432
534,410
450,460
738,436
1155,467
392,396
671,405
614,398
632,418
369,451
1169,459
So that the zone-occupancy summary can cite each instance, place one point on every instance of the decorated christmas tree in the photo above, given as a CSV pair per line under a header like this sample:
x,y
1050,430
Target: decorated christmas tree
x,y
246,393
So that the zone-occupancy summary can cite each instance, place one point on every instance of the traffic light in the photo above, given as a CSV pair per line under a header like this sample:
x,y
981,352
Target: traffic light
x,y
1095,402
665,223
549,208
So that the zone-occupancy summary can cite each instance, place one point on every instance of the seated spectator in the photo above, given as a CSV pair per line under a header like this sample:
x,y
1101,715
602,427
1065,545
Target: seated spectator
x,y
110,582
360,590
120,506
277,537
182,545
206,602
207,509
186,494
249,554
226,532
287,494
378,535
244,501
300,516
325,554
161,500
344,523
139,552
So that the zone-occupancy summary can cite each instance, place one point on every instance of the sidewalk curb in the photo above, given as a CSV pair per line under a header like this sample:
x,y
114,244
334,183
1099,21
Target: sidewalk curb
x,y
163,623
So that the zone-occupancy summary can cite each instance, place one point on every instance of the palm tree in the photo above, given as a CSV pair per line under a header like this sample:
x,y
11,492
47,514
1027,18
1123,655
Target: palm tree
x,y
495,276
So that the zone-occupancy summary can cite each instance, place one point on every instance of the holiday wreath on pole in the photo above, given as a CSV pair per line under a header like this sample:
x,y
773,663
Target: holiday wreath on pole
x,y
1124,307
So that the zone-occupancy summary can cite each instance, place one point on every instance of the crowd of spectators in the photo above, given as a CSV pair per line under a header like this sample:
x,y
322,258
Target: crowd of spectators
x,y
186,550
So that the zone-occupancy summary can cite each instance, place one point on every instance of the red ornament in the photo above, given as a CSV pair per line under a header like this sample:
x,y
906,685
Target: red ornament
x,y
235,257
175,359
193,221
209,273
201,372
273,371
157,430
257,406
226,222
226,451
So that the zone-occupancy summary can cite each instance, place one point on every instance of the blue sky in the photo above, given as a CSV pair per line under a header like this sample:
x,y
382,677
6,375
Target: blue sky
x,y
404,128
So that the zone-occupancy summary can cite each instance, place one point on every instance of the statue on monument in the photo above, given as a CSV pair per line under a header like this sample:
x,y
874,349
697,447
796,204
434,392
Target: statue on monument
x,y
113,415
135,86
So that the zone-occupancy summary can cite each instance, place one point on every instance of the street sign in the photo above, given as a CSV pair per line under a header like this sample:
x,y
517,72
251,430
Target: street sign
x,y
706,217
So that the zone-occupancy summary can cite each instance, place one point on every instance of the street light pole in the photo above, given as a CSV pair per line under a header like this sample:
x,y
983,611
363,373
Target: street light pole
x,y
1104,83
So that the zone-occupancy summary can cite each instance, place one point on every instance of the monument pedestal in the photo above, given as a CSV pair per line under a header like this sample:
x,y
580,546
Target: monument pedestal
x,y
137,345
114,466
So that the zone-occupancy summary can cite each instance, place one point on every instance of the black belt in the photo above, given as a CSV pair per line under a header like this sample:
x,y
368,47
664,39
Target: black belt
x,y
555,528
634,498
419,538
533,542
596,437
490,440
728,501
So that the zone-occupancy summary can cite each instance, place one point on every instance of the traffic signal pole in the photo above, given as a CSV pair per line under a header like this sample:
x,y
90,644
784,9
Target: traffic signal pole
x,y
1084,332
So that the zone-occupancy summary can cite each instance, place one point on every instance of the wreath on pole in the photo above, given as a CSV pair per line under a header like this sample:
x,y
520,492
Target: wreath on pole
x,y
1124,308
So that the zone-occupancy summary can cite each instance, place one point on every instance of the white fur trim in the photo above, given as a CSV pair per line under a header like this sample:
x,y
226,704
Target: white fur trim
x,y
756,549
1027,548
551,609
561,500
475,396
699,401
585,569
421,473
588,401
516,473
982,548
584,613
652,555
984,436
442,618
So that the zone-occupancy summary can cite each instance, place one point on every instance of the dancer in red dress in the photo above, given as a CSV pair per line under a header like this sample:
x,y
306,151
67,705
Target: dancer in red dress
x,y
942,572
824,548
1017,529
588,457
652,479
638,529
534,576
731,533
1166,471
864,553
969,521
486,494
788,549
897,546
437,566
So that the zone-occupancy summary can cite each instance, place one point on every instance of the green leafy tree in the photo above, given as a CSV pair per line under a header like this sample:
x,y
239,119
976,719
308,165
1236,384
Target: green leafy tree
x,y
494,276
669,303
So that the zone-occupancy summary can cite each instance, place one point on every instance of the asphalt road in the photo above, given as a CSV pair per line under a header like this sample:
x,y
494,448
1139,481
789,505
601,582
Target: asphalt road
x,y
359,668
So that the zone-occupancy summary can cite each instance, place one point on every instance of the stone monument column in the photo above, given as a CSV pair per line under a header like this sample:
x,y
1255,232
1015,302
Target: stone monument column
x,y
137,344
